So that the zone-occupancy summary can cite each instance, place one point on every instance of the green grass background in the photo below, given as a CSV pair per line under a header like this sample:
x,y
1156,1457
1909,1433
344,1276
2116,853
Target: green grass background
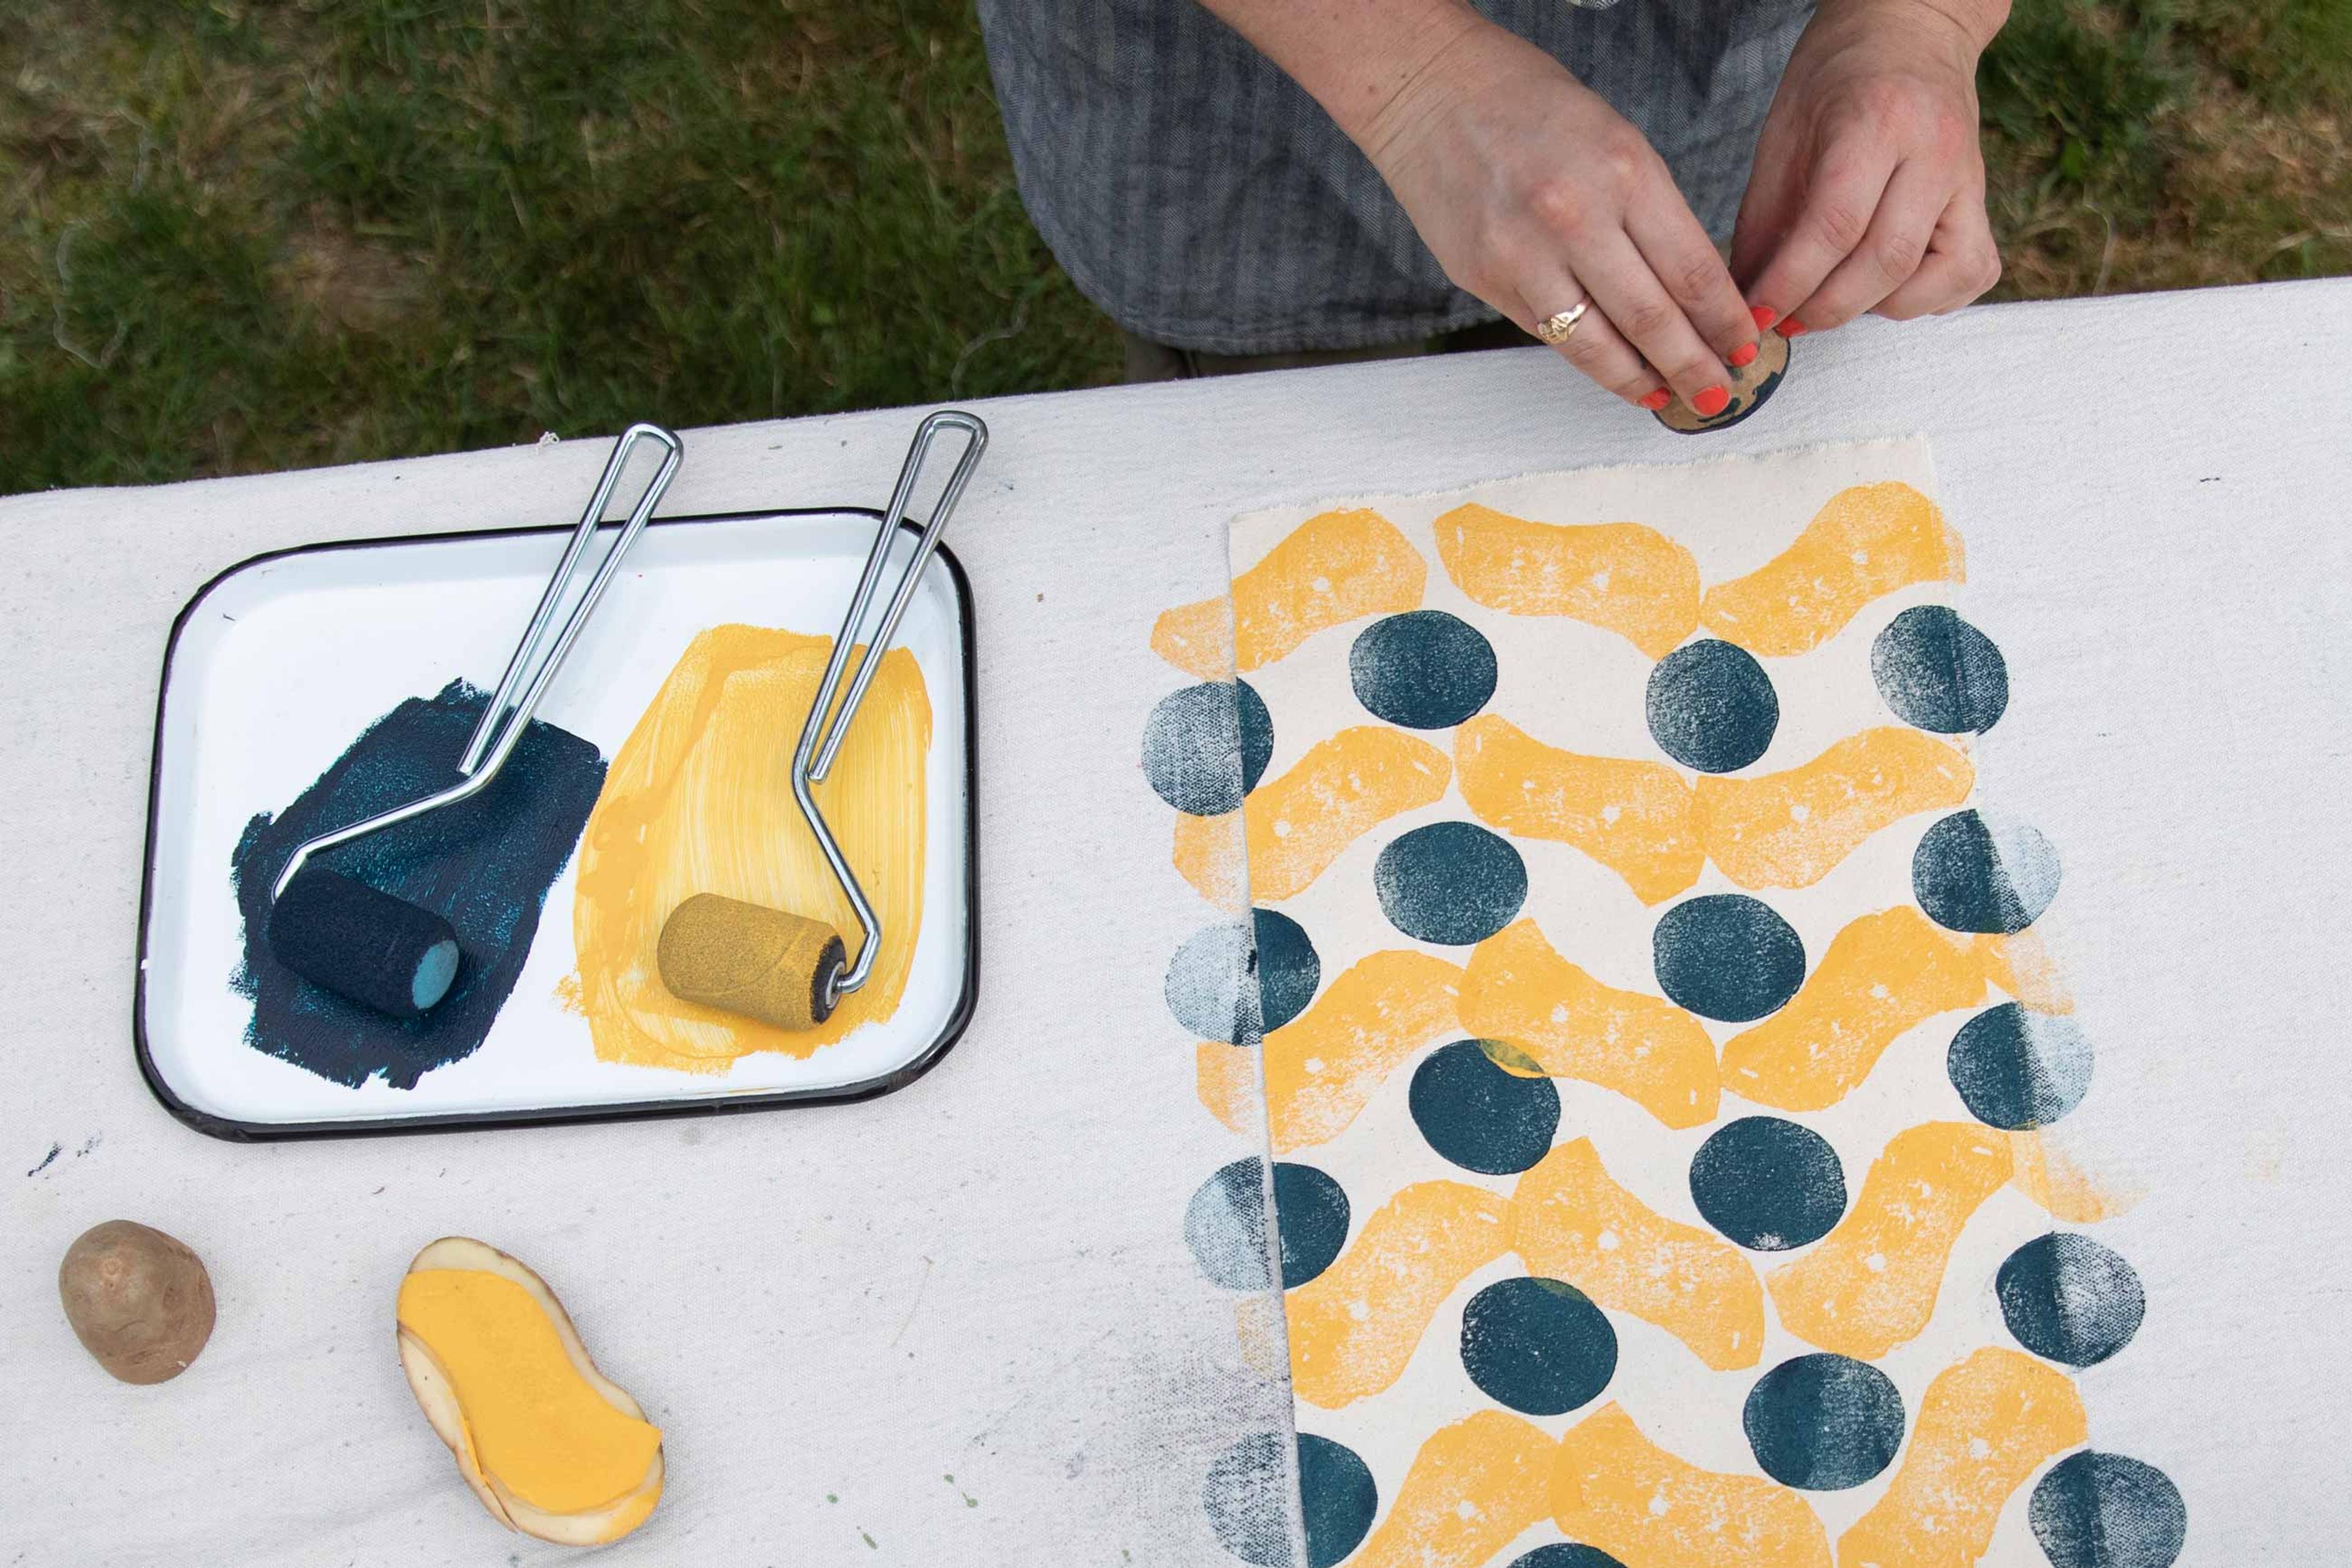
x,y
240,234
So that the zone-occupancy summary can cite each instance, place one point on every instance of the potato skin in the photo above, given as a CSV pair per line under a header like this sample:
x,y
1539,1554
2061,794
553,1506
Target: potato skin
x,y
139,1300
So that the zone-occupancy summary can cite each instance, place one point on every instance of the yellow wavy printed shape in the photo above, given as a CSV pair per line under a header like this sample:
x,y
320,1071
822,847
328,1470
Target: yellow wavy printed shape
x,y
1635,817
1324,1064
1866,542
1520,991
1210,853
1872,1283
1790,829
1333,568
1340,789
1571,1221
1473,1488
1985,1425
2049,1176
1355,1326
1227,1080
699,800
1882,975
1614,1489
1620,576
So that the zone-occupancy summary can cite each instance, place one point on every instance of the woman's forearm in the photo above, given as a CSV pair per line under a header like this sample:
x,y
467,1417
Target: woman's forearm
x,y
1355,57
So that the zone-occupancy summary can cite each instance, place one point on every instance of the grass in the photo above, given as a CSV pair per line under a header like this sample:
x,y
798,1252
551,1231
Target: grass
x,y
239,235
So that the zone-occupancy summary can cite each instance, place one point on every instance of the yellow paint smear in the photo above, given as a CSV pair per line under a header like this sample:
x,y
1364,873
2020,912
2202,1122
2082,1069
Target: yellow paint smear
x,y
1614,1489
2023,965
1985,1427
1355,1326
1340,789
1621,576
1228,1082
1790,829
699,800
537,1426
1336,567
1635,817
1324,1064
1868,541
1472,1489
1212,854
1518,991
1571,1221
1882,975
1198,637
1872,1283
2049,1176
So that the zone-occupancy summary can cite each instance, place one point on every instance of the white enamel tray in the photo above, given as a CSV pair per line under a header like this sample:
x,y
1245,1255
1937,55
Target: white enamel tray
x,y
279,663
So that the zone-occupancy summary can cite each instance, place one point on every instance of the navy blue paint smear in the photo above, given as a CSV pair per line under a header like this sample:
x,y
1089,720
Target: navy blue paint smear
x,y
1287,969
1711,707
1769,1184
2104,1511
1727,956
1246,1498
485,865
1939,673
2070,1299
1453,883
1968,878
1424,670
1823,1423
1479,1116
1225,1224
2018,1070
1206,746
1567,1554
1539,1346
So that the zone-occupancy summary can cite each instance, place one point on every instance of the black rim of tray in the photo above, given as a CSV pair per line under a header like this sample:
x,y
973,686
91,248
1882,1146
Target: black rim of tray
x,y
898,1077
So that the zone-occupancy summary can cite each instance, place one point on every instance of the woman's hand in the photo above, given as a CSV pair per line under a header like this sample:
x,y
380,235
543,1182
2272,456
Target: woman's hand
x,y
1536,195
1869,187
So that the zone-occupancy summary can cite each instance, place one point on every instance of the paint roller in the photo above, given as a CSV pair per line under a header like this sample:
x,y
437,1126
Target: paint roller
x,y
773,966
383,952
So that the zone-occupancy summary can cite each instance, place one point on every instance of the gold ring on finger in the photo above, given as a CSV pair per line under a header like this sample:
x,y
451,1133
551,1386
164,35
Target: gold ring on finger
x,y
1561,326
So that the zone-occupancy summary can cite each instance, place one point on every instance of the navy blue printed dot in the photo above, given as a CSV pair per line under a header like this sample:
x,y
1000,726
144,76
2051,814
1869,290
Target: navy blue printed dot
x,y
2104,1511
1970,876
1537,1346
1711,707
1246,1498
1727,956
1337,1494
1198,745
1209,987
1823,1423
1769,1184
1480,1116
1567,1554
2018,1070
1287,969
1424,670
2070,1299
1453,883
1225,1224
1939,673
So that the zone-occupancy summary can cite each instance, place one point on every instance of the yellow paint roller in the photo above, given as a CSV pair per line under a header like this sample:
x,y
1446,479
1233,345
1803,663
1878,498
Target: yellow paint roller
x,y
773,966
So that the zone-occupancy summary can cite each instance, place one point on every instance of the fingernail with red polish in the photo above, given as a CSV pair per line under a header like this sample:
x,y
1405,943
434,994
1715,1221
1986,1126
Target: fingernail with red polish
x,y
1792,327
1764,314
1653,400
1711,402
1743,356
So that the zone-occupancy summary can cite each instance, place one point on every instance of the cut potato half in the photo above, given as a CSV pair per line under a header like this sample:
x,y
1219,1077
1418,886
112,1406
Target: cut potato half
x,y
444,1399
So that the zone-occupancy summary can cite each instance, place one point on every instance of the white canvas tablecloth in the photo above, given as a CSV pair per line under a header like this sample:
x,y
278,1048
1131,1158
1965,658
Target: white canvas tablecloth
x,y
832,1310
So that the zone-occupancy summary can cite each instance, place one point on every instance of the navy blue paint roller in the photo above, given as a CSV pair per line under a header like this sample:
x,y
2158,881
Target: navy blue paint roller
x,y
383,952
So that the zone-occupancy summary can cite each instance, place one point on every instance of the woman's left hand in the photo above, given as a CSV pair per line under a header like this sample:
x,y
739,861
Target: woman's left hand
x,y
1869,188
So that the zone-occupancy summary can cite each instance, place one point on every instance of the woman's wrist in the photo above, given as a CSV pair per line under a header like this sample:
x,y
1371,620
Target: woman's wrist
x,y
1365,61
1974,22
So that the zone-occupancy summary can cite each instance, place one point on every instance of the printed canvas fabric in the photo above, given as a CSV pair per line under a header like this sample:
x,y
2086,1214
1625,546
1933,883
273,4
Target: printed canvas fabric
x,y
1653,1043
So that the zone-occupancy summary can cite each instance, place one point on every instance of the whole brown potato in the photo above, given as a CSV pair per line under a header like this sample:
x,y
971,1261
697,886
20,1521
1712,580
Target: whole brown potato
x,y
139,1300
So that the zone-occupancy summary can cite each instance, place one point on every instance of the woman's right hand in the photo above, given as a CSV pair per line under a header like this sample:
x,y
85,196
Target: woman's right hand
x,y
1535,194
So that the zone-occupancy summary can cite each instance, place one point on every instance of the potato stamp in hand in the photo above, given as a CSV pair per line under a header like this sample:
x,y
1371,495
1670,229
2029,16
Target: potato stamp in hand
x,y
553,1447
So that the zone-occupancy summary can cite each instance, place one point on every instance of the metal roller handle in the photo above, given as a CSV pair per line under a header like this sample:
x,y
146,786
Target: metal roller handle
x,y
528,671
821,740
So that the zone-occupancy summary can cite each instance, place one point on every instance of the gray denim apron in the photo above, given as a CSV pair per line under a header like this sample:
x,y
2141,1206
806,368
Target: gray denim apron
x,y
1203,200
